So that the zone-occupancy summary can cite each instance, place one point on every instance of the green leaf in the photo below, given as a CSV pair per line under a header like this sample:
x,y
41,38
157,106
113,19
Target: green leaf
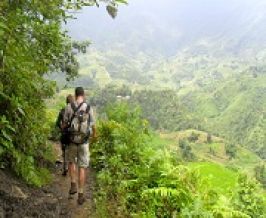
x,y
21,111
6,136
112,11
121,1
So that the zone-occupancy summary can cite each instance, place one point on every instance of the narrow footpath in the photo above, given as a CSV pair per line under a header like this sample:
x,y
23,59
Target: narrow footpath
x,y
20,200
70,208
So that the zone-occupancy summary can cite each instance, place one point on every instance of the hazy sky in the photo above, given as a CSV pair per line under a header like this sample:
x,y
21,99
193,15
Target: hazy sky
x,y
176,21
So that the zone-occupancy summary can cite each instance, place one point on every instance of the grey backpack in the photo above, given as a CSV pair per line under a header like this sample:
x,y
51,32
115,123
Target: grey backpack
x,y
79,124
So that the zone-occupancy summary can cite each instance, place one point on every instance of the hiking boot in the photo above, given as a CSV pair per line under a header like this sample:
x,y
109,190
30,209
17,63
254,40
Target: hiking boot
x,y
73,189
81,198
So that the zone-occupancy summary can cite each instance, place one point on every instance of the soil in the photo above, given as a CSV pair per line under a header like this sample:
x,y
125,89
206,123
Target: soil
x,y
20,200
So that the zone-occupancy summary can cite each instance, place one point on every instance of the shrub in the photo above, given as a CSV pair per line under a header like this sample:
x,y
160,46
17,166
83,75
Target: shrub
x,y
231,150
137,179
193,137
260,174
186,150
248,199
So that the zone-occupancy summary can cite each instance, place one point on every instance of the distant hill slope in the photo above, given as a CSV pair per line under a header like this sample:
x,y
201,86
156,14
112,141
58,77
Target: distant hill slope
x,y
227,95
234,108
214,151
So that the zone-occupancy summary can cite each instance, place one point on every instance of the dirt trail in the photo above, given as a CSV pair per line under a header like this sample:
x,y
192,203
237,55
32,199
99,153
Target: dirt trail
x,y
19,200
69,206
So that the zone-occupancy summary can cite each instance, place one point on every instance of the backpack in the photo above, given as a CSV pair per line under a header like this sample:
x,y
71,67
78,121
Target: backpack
x,y
79,124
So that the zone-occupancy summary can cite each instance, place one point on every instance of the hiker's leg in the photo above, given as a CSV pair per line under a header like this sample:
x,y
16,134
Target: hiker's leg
x,y
64,158
71,152
82,178
83,162
65,167
72,171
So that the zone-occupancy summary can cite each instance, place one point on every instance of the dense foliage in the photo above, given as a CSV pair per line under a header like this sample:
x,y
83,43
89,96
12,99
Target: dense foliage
x,y
233,108
162,108
137,177
31,44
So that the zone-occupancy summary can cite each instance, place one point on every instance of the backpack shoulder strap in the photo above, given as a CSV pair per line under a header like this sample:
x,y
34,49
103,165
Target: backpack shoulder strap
x,y
73,106
88,112
75,110
88,108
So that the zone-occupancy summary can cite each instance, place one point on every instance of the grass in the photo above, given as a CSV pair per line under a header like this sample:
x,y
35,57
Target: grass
x,y
214,171
213,152
219,177
246,160
160,142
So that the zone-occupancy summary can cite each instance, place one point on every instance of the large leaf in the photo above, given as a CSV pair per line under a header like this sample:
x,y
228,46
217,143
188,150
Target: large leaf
x,y
112,11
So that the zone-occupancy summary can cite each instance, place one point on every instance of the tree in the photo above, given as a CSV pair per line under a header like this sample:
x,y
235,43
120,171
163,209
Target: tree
x,y
186,150
212,151
193,137
209,138
231,150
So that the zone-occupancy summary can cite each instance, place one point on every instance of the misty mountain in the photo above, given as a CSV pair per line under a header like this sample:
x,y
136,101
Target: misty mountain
x,y
210,52
235,27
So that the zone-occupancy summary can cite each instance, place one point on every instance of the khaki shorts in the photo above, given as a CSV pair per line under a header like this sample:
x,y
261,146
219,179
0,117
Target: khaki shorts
x,y
79,153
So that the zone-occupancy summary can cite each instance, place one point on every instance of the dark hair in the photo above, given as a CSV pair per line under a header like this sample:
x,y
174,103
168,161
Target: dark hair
x,y
79,91
69,99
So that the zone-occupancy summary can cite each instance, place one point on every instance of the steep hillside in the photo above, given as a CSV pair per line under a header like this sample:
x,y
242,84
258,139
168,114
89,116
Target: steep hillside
x,y
235,109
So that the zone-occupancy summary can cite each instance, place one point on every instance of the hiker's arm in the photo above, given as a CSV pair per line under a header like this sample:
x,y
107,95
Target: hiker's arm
x,y
92,124
65,119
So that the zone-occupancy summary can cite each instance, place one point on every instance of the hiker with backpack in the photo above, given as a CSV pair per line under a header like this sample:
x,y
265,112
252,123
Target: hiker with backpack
x,y
78,118
64,141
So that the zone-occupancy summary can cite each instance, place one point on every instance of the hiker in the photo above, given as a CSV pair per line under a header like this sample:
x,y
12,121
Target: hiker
x,y
78,119
64,136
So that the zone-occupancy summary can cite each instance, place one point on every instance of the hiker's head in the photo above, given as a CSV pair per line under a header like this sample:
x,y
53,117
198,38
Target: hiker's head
x,y
79,92
69,99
